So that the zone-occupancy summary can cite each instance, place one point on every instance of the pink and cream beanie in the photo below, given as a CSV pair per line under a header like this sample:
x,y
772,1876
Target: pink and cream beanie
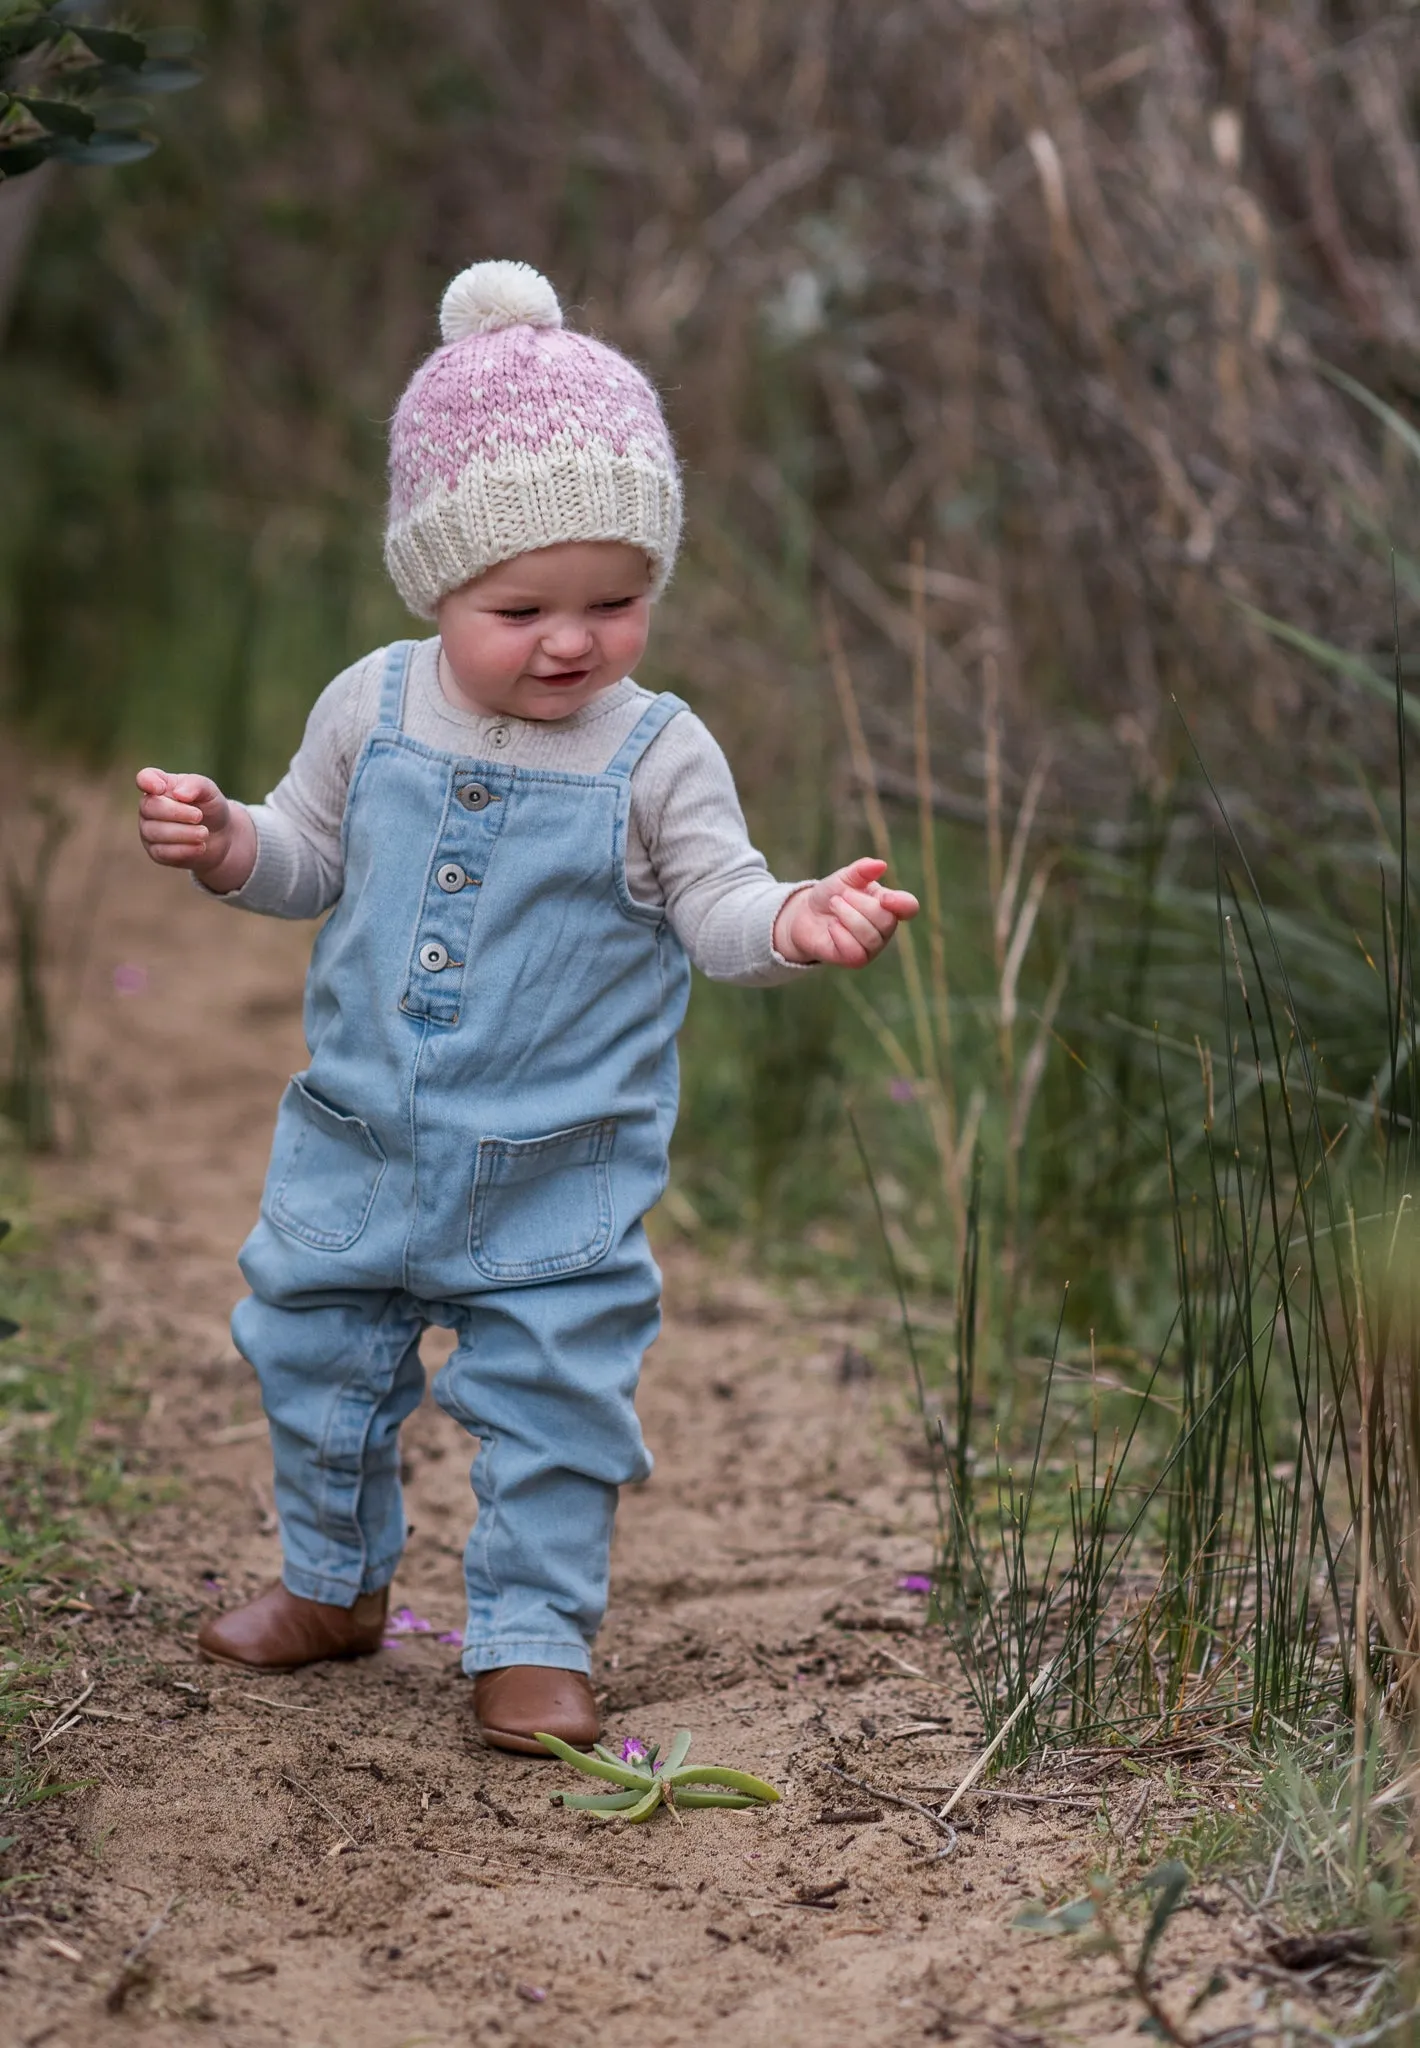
x,y
517,434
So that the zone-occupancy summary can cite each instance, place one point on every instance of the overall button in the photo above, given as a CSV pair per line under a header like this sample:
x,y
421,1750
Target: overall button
x,y
451,878
474,797
434,956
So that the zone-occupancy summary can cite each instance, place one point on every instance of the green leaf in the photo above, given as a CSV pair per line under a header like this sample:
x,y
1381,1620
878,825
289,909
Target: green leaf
x,y
1170,1882
679,1750
7,1842
739,1800
113,45
713,1774
617,1774
21,36
117,147
172,42
120,114
168,77
1034,1918
25,156
644,1808
60,117
597,1802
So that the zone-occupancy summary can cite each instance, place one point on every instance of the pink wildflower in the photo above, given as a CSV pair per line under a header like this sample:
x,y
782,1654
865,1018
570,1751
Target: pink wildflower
x,y
405,1622
914,1582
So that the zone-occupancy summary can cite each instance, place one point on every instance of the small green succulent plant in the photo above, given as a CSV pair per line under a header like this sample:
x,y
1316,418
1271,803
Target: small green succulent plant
x,y
646,1784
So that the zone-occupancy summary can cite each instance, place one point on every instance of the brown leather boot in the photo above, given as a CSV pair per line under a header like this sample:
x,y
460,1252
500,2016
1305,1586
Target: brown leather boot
x,y
278,1631
525,1700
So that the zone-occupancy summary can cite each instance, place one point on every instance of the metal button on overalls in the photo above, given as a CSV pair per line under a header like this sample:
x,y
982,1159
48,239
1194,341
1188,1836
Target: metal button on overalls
x,y
474,797
434,956
451,878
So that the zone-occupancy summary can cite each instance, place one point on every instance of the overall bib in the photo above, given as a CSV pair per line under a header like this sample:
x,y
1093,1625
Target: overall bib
x,y
483,1125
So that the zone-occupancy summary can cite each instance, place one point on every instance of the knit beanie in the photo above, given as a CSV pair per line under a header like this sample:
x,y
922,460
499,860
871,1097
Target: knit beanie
x,y
517,434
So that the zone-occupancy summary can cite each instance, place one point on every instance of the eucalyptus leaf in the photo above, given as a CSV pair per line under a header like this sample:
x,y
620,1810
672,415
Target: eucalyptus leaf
x,y
110,114
60,117
25,156
117,147
113,45
172,42
164,76
18,37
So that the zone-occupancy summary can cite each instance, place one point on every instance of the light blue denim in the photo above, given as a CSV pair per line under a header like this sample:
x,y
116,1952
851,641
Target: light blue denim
x,y
483,1125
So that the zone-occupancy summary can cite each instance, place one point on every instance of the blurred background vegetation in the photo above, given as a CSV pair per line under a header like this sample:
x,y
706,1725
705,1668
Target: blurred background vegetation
x,y
1001,342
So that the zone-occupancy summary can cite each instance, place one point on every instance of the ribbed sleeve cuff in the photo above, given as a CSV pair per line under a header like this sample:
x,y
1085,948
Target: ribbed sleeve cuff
x,y
272,887
746,954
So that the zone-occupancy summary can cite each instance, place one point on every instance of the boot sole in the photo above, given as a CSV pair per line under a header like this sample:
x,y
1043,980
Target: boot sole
x,y
301,1663
526,1745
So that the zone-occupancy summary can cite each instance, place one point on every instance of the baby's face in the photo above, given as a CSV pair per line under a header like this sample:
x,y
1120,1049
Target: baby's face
x,y
540,636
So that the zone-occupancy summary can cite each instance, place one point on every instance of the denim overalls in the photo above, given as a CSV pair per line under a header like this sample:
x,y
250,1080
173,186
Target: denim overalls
x,y
484,1123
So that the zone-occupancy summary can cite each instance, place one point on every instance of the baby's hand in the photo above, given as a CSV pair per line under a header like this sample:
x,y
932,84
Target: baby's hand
x,y
185,821
845,920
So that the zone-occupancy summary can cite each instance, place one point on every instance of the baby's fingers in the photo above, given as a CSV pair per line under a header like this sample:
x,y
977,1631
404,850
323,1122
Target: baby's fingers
x,y
873,906
169,811
858,926
845,949
175,856
166,832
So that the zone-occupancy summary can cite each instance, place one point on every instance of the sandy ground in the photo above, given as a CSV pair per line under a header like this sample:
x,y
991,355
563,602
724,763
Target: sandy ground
x,y
332,1859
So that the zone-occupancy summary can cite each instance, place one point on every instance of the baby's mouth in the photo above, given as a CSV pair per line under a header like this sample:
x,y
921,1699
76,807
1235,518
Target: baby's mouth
x,y
565,678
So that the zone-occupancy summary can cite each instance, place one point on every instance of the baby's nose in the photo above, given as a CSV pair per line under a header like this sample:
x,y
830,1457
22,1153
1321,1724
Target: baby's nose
x,y
566,638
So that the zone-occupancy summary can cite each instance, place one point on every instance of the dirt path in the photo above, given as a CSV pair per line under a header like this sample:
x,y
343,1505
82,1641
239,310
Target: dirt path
x,y
333,1858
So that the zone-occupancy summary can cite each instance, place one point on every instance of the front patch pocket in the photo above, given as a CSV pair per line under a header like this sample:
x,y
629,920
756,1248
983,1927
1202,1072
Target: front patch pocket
x,y
542,1206
329,1166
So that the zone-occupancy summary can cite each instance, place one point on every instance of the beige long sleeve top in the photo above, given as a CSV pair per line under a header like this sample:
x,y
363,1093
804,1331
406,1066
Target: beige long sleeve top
x,y
688,849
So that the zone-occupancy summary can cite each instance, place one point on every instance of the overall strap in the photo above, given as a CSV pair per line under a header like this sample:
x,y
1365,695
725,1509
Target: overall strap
x,y
397,659
658,713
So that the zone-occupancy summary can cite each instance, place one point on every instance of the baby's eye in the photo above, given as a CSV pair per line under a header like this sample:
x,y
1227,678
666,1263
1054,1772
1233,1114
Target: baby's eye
x,y
615,604
520,617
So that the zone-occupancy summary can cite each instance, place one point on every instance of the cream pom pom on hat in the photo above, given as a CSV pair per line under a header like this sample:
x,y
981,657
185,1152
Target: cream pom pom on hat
x,y
518,434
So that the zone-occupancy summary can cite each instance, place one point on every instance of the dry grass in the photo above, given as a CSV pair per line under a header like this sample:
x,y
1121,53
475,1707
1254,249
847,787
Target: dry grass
x,y
1042,288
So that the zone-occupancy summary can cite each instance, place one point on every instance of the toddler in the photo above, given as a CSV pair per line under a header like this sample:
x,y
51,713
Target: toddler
x,y
522,852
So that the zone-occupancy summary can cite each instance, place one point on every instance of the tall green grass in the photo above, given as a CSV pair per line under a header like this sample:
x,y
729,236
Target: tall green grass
x,y
1220,1520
